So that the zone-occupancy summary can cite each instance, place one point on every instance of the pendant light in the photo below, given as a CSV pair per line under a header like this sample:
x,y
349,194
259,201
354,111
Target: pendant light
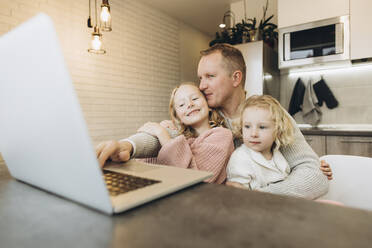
x,y
105,16
228,14
96,42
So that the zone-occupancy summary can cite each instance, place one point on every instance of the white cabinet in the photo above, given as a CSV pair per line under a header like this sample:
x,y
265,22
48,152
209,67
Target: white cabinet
x,y
360,29
292,12
262,75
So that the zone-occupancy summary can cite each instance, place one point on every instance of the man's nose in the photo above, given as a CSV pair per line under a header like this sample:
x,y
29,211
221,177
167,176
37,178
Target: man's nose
x,y
202,85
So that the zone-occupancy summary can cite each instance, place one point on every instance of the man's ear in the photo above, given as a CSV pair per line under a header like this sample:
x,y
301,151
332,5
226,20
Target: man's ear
x,y
237,78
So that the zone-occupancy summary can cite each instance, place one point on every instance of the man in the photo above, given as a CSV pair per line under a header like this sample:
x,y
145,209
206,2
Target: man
x,y
221,72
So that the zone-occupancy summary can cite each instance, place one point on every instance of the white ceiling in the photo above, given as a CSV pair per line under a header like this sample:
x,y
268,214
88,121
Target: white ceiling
x,y
204,15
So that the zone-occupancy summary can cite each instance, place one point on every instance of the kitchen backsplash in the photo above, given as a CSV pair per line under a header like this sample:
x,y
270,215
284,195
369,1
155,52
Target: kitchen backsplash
x,y
352,87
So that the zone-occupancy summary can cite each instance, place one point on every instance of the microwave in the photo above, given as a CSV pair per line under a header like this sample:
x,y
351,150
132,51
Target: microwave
x,y
315,42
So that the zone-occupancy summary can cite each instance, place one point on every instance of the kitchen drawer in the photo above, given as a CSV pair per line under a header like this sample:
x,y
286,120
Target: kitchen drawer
x,y
349,145
318,143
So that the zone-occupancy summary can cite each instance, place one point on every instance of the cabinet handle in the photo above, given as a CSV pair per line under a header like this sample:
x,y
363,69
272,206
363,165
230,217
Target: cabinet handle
x,y
356,141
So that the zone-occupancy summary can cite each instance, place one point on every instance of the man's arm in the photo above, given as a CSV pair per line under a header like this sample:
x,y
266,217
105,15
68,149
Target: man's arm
x,y
305,179
146,145
139,145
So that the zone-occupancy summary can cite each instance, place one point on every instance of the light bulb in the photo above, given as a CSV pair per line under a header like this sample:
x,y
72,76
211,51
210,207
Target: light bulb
x,y
96,42
105,17
105,14
222,25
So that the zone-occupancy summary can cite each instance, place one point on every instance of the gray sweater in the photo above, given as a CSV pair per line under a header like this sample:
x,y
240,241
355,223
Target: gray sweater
x,y
305,180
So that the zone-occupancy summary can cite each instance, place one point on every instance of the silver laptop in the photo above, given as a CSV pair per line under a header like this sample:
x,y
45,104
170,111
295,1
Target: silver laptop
x,y
43,136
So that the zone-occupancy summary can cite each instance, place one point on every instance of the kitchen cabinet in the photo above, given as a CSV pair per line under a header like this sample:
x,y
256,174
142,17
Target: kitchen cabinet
x,y
302,11
360,35
349,145
344,145
292,13
318,143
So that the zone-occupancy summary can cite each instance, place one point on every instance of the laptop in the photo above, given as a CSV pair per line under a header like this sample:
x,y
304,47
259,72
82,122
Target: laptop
x,y
43,136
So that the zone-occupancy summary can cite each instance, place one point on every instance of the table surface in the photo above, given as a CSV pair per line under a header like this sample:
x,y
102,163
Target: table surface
x,y
204,215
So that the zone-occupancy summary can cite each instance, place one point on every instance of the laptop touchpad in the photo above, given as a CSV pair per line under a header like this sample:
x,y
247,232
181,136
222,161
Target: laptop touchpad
x,y
131,165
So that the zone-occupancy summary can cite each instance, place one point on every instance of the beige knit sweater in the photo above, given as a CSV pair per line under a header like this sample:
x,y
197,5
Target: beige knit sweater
x,y
305,180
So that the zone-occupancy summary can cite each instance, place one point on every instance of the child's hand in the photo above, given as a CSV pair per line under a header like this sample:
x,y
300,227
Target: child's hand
x,y
152,128
236,185
156,130
326,169
168,124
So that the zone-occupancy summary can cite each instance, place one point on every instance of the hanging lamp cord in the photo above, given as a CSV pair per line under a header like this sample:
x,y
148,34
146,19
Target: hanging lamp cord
x,y
89,22
95,7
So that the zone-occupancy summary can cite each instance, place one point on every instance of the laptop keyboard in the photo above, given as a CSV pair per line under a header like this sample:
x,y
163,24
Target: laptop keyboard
x,y
120,183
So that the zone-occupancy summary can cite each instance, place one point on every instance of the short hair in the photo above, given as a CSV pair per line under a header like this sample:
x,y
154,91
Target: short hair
x,y
232,57
284,130
215,119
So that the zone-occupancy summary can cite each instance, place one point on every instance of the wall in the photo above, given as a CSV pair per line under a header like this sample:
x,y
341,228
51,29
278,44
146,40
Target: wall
x,y
191,43
352,88
254,8
130,84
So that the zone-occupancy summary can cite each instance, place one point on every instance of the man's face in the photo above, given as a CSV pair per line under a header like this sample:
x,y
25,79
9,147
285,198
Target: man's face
x,y
215,81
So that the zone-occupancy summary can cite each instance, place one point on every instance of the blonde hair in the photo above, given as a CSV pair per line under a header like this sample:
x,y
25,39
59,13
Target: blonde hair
x,y
284,130
215,119
232,57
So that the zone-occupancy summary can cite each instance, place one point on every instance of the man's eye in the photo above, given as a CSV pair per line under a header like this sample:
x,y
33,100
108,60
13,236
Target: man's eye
x,y
195,98
209,75
262,127
246,126
181,105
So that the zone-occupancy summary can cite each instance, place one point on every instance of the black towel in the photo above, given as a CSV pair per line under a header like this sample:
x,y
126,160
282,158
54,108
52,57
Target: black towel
x,y
324,93
297,97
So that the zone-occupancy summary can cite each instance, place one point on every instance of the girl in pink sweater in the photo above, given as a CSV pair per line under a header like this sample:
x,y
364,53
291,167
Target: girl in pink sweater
x,y
202,143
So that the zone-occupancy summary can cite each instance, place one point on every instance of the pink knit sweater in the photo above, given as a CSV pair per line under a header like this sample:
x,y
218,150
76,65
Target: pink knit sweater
x,y
208,152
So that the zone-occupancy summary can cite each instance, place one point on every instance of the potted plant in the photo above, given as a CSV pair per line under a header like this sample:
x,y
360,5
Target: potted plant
x,y
267,30
253,34
248,30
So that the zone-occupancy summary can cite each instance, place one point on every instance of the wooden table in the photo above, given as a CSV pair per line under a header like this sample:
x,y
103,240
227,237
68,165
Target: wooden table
x,y
201,216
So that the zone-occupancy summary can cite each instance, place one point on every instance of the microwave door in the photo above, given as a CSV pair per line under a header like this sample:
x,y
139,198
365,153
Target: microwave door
x,y
311,43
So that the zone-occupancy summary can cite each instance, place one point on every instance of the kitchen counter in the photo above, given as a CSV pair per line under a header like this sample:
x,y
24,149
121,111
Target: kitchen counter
x,y
364,130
